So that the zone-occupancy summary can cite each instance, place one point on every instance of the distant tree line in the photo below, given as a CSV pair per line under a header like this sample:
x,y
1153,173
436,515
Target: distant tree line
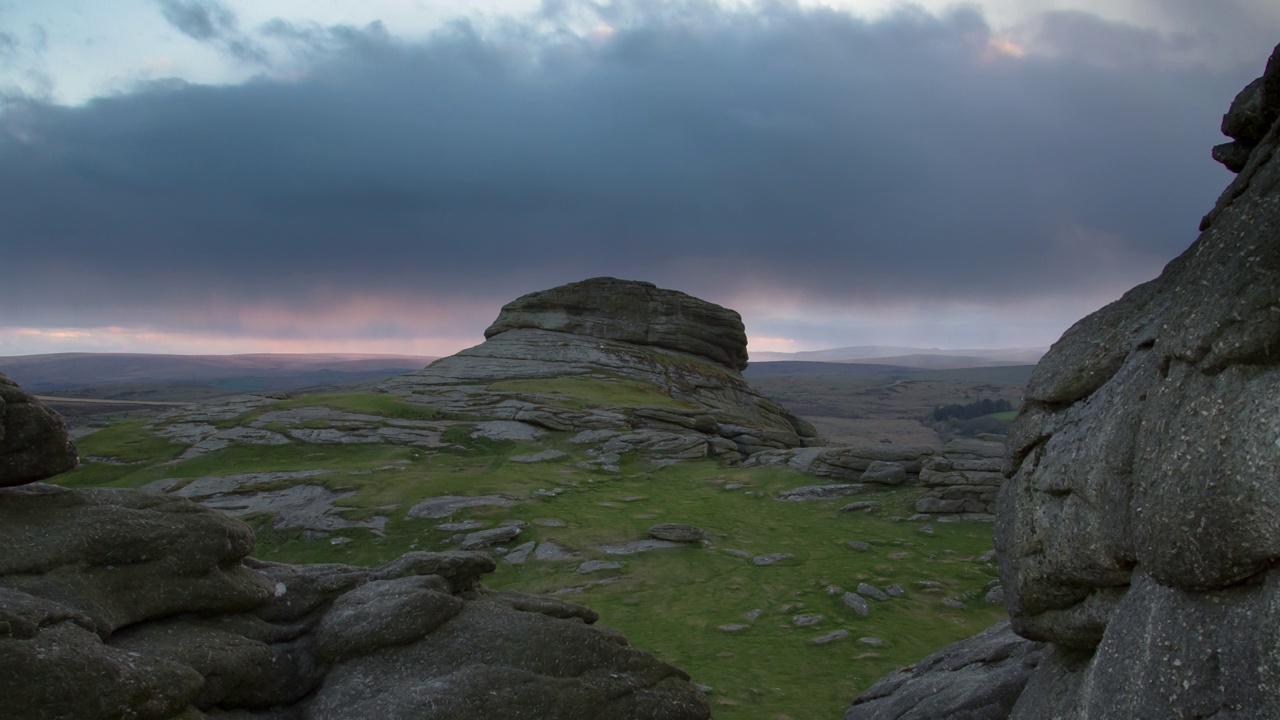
x,y
977,408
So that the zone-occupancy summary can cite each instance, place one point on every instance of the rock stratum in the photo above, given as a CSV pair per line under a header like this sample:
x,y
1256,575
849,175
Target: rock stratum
x,y
128,604
1139,528
682,355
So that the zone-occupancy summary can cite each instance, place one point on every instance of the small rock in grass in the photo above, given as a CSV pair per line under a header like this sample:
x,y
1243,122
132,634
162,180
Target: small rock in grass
x,y
549,522
986,557
591,566
926,530
520,553
770,559
864,505
485,538
752,615
928,584
676,532
461,526
952,603
737,553
733,627
858,545
830,637
895,591
538,457
834,590
548,550
994,596
857,603
872,641
872,592
803,620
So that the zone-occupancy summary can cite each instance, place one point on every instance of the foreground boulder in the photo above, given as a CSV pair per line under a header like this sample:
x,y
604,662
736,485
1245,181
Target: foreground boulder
x,y
118,603
33,439
1139,529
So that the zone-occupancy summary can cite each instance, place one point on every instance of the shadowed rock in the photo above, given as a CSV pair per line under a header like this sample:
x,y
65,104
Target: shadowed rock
x,y
1139,528
33,439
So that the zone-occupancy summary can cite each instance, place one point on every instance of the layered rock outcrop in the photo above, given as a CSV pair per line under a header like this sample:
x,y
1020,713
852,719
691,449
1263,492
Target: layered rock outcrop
x,y
639,313
684,353
124,604
1139,529
960,479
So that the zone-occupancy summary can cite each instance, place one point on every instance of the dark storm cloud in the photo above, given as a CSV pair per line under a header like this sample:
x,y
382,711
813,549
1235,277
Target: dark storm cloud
x,y
212,22
708,149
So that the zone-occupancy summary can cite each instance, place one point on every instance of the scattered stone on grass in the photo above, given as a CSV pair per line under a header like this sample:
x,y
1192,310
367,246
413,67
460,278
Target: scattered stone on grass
x,y
591,566
544,456
732,627
803,620
895,590
872,592
830,637
737,553
858,545
520,553
549,550
770,559
857,603
637,546
926,530
549,522
820,492
446,505
952,603
676,532
461,526
485,538
754,614
863,505
872,641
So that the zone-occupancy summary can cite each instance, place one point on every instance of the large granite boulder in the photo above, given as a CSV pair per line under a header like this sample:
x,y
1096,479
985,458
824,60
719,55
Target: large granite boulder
x,y
33,439
118,603
1139,528
674,360
634,312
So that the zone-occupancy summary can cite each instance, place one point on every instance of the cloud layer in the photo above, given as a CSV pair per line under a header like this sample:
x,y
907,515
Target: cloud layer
x,y
771,156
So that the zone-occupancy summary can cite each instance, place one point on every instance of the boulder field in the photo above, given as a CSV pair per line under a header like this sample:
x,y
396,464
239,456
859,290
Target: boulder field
x,y
127,604
1139,529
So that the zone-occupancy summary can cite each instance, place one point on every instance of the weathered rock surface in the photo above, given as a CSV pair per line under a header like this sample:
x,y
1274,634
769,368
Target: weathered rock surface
x,y
961,479
639,313
975,679
33,439
119,603
685,352
1139,528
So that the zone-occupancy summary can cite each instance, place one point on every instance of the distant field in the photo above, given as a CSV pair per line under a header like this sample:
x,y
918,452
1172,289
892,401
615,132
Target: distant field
x,y
851,403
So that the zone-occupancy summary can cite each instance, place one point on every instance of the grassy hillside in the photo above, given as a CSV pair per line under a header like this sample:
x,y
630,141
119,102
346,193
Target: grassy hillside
x,y
674,602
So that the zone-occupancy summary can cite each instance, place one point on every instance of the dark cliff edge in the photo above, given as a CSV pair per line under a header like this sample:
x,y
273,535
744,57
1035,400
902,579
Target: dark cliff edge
x,y
1139,525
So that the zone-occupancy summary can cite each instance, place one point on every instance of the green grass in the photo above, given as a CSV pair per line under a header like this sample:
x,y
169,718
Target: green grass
x,y
669,602
579,393
1007,416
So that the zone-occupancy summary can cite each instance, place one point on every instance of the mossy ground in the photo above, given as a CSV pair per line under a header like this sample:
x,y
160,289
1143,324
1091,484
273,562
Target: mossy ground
x,y
670,602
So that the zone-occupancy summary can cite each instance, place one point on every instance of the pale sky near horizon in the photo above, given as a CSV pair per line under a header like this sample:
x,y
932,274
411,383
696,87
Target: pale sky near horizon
x,y
210,176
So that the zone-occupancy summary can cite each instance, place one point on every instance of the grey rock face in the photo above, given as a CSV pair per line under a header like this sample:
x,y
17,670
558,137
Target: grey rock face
x,y
975,679
635,312
117,603
1139,528
34,444
675,532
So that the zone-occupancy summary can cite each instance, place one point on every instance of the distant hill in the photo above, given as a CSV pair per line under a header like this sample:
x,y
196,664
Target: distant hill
x,y
930,358
68,371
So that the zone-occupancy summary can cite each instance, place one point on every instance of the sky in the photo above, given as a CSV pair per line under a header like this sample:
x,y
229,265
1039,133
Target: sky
x,y
221,176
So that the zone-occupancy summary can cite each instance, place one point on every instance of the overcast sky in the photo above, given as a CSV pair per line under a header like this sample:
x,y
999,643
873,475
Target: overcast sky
x,y
207,176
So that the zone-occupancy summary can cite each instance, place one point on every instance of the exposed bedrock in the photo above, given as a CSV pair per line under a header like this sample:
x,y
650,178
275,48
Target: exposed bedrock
x,y
682,356
1139,528
634,312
